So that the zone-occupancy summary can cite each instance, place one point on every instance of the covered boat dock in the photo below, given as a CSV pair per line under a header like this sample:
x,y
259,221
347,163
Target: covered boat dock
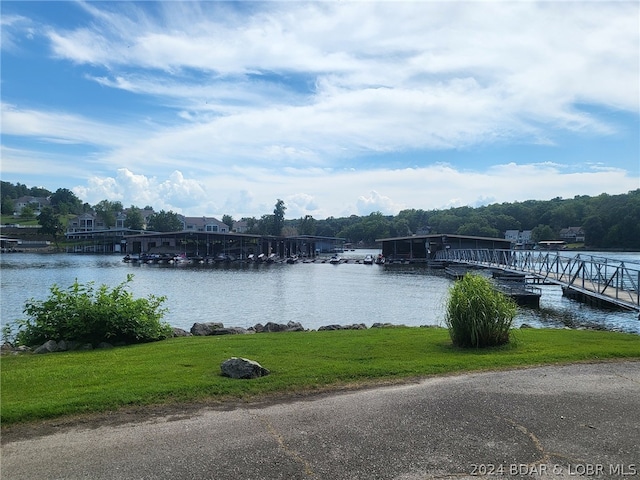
x,y
231,245
423,248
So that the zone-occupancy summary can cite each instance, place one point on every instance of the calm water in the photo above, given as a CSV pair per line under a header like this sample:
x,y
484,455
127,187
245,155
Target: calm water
x,y
313,294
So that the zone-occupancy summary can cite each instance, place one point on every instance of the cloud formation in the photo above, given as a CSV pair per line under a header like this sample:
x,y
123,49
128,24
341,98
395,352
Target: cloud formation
x,y
338,108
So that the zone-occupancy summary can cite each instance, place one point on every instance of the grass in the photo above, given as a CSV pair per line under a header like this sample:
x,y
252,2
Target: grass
x,y
477,314
187,369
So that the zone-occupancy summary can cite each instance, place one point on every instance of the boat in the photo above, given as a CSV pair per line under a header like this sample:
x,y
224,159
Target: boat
x,y
272,258
368,260
292,259
335,259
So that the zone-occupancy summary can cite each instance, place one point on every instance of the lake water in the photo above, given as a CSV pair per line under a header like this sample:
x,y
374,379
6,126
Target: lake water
x,y
314,294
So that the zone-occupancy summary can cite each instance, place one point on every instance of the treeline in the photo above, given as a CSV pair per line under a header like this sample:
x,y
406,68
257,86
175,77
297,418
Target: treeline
x,y
608,221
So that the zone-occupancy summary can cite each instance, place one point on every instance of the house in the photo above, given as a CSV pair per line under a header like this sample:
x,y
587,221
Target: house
x,y
572,234
519,238
122,217
35,203
86,222
241,226
203,224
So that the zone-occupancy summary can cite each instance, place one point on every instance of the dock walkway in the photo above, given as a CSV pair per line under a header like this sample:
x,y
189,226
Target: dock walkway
x,y
595,278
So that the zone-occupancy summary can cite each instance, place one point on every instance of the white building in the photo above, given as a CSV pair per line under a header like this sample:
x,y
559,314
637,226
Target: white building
x,y
518,238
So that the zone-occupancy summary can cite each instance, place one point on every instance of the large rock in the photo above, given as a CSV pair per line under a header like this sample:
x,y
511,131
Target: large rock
x,y
295,327
230,331
179,332
274,327
278,327
203,329
235,367
47,347
353,326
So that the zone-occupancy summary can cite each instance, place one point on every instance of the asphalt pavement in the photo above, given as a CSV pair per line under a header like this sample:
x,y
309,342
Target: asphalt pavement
x,y
572,421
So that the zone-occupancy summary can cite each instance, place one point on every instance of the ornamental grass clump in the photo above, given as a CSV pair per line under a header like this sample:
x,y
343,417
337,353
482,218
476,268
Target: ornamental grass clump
x,y
85,314
477,315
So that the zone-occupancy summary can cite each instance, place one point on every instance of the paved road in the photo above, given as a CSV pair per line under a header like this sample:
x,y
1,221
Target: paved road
x,y
546,422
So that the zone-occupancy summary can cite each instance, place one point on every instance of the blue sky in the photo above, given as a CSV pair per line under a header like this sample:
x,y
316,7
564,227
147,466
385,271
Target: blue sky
x,y
335,107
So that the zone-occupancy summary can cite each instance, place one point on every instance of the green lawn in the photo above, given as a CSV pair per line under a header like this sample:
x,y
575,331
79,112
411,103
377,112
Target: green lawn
x,y
11,220
188,369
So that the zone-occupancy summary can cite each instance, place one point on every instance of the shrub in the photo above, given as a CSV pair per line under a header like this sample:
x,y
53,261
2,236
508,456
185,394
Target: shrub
x,y
478,315
88,315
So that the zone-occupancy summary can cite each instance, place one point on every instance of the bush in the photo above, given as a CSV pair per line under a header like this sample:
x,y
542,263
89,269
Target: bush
x,y
477,315
84,314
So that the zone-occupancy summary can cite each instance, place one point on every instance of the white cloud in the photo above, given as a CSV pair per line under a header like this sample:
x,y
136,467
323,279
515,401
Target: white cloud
x,y
384,75
352,192
326,104
375,202
63,128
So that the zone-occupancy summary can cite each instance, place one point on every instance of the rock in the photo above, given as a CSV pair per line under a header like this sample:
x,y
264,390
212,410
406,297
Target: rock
x,y
179,332
295,327
229,331
202,329
354,326
382,325
104,345
235,367
329,327
47,347
278,327
271,327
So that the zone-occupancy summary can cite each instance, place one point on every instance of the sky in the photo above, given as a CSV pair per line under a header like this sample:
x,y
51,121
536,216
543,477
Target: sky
x,y
337,108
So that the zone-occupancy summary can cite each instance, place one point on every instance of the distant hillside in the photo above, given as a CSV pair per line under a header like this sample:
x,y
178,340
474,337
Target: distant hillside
x,y
608,221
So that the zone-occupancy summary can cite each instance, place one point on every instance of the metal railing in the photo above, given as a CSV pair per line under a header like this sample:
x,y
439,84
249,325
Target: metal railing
x,y
604,278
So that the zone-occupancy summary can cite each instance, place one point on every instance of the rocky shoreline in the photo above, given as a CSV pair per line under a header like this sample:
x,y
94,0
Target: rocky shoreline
x,y
197,330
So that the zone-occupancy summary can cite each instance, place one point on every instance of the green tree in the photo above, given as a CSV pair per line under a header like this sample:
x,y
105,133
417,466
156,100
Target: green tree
x,y
479,227
400,228
28,213
444,222
228,221
8,206
542,233
594,231
418,220
134,219
64,201
278,217
164,222
307,225
108,211
265,225
253,224
39,192
51,224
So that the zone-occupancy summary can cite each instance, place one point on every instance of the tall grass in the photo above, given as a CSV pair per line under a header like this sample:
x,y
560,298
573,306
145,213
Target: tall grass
x,y
478,315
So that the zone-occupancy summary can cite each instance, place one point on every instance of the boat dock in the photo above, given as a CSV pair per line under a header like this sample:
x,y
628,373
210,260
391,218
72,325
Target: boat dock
x,y
510,284
595,280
